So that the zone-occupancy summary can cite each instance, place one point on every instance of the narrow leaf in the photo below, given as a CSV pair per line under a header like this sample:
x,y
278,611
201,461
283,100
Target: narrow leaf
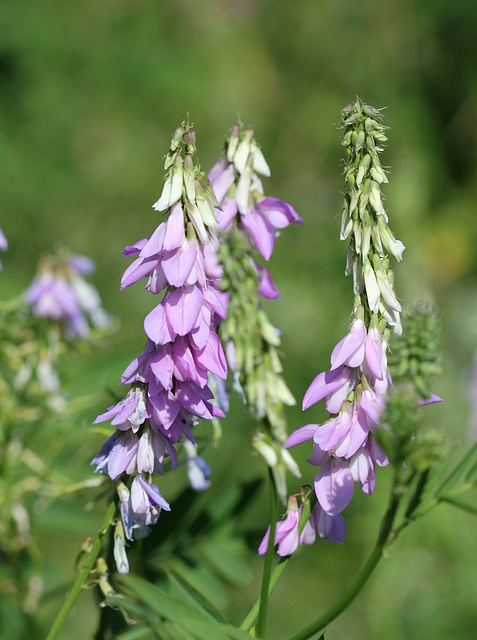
x,y
194,597
460,504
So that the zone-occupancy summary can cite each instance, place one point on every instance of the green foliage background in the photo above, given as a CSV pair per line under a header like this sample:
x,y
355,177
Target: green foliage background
x,y
90,94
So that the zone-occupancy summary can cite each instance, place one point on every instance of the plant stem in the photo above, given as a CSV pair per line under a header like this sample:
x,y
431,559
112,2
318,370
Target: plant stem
x,y
83,574
361,577
267,568
275,577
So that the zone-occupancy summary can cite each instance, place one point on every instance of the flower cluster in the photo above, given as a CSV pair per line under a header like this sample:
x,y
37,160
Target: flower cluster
x,y
355,388
60,293
249,223
169,391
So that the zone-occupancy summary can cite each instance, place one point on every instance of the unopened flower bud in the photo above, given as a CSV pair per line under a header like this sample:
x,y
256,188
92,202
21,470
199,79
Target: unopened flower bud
x,y
394,246
375,198
176,139
189,175
119,551
233,142
377,173
243,151
190,145
372,290
359,140
259,164
268,331
267,451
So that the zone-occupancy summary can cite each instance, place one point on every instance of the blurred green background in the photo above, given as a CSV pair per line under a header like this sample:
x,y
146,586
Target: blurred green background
x,y
90,94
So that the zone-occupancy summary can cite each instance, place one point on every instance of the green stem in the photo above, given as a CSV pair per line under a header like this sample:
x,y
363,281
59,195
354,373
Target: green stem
x,y
83,574
249,621
361,577
252,616
267,568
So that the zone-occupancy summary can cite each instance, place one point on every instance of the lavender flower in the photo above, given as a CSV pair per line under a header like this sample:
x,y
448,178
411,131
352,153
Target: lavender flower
x,y
169,381
60,293
249,224
287,535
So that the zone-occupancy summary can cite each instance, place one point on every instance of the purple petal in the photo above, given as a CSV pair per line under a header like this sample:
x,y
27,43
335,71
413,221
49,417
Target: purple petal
x,y
261,232
138,369
155,245
81,264
137,270
303,434
318,456
278,213
266,286
350,350
362,467
189,397
174,234
374,353
329,434
331,528
334,487
228,213
221,178
162,366
201,332
122,453
262,549
212,357
157,280
134,249
433,398
182,308
165,408
157,327
324,384
178,264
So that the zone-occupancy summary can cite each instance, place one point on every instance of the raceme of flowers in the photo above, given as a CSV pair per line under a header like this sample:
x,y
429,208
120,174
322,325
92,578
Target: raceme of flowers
x,y
249,224
345,447
169,391
60,292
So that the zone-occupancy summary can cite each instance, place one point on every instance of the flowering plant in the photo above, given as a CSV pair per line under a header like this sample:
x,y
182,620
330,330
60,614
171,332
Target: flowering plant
x,y
208,334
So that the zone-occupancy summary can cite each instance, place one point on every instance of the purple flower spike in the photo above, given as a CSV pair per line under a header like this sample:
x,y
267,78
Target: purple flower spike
x,y
169,379
60,293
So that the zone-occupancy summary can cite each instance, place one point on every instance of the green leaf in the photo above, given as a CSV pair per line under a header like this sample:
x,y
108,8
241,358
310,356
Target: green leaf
x,y
458,471
202,579
465,506
135,609
192,596
224,554
137,633
163,605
